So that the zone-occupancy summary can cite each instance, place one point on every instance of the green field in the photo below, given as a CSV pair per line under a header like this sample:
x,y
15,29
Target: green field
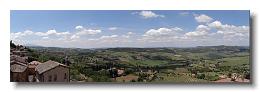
x,y
147,62
180,79
178,65
235,61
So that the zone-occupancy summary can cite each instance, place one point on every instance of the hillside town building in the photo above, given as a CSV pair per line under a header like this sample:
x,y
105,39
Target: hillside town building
x,y
22,69
52,71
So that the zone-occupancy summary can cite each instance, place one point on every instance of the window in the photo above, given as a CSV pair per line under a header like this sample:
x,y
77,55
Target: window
x,y
42,77
65,76
49,79
55,77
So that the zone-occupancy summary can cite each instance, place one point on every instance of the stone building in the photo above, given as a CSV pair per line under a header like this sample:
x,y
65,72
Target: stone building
x,y
52,71
18,72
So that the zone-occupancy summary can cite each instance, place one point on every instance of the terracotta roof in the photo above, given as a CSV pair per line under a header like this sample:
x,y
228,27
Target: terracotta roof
x,y
18,67
48,65
120,72
18,59
33,64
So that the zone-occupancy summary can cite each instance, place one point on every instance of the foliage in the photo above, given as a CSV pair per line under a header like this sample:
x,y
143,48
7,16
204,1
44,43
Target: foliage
x,y
198,64
12,45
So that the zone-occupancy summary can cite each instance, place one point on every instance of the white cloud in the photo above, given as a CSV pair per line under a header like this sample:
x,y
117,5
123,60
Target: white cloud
x,y
83,31
88,32
17,35
163,32
63,33
200,31
112,28
79,27
28,32
162,35
50,32
31,36
105,40
203,18
126,36
130,33
74,37
108,37
28,36
40,34
45,37
149,14
230,31
184,13
203,35
211,33
216,24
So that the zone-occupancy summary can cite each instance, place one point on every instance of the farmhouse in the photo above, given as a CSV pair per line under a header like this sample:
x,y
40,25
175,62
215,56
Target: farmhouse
x,y
52,71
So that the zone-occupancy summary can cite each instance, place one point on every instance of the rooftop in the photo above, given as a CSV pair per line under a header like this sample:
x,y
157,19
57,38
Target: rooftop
x,y
48,65
18,67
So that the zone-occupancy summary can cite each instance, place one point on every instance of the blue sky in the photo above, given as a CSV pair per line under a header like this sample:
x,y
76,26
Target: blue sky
x,y
146,28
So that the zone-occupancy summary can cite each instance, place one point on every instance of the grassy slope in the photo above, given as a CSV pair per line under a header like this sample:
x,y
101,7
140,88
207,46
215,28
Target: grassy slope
x,y
147,62
235,61
180,79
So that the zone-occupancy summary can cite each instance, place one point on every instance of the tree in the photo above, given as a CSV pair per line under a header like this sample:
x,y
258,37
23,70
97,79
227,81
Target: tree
x,y
200,76
12,45
247,75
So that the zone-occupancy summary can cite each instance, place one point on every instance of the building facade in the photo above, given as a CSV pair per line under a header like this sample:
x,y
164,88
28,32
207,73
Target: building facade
x,y
52,71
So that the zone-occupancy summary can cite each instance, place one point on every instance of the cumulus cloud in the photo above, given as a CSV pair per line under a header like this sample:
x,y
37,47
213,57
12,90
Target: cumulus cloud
x,y
29,37
45,37
74,37
108,37
28,32
128,35
51,32
81,31
112,28
214,33
200,31
163,32
53,35
162,35
21,34
149,14
106,40
208,32
88,32
216,24
230,31
31,33
203,18
79,27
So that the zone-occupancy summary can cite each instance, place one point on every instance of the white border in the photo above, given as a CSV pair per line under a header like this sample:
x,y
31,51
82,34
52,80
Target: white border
x,y
7,5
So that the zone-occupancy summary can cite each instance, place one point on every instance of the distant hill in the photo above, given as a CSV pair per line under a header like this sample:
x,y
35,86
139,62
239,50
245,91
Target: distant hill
x,y
198,49
32,45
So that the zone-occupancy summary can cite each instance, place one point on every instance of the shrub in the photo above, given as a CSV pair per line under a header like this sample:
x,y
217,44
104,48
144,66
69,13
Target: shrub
x,y
211,76
200,76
